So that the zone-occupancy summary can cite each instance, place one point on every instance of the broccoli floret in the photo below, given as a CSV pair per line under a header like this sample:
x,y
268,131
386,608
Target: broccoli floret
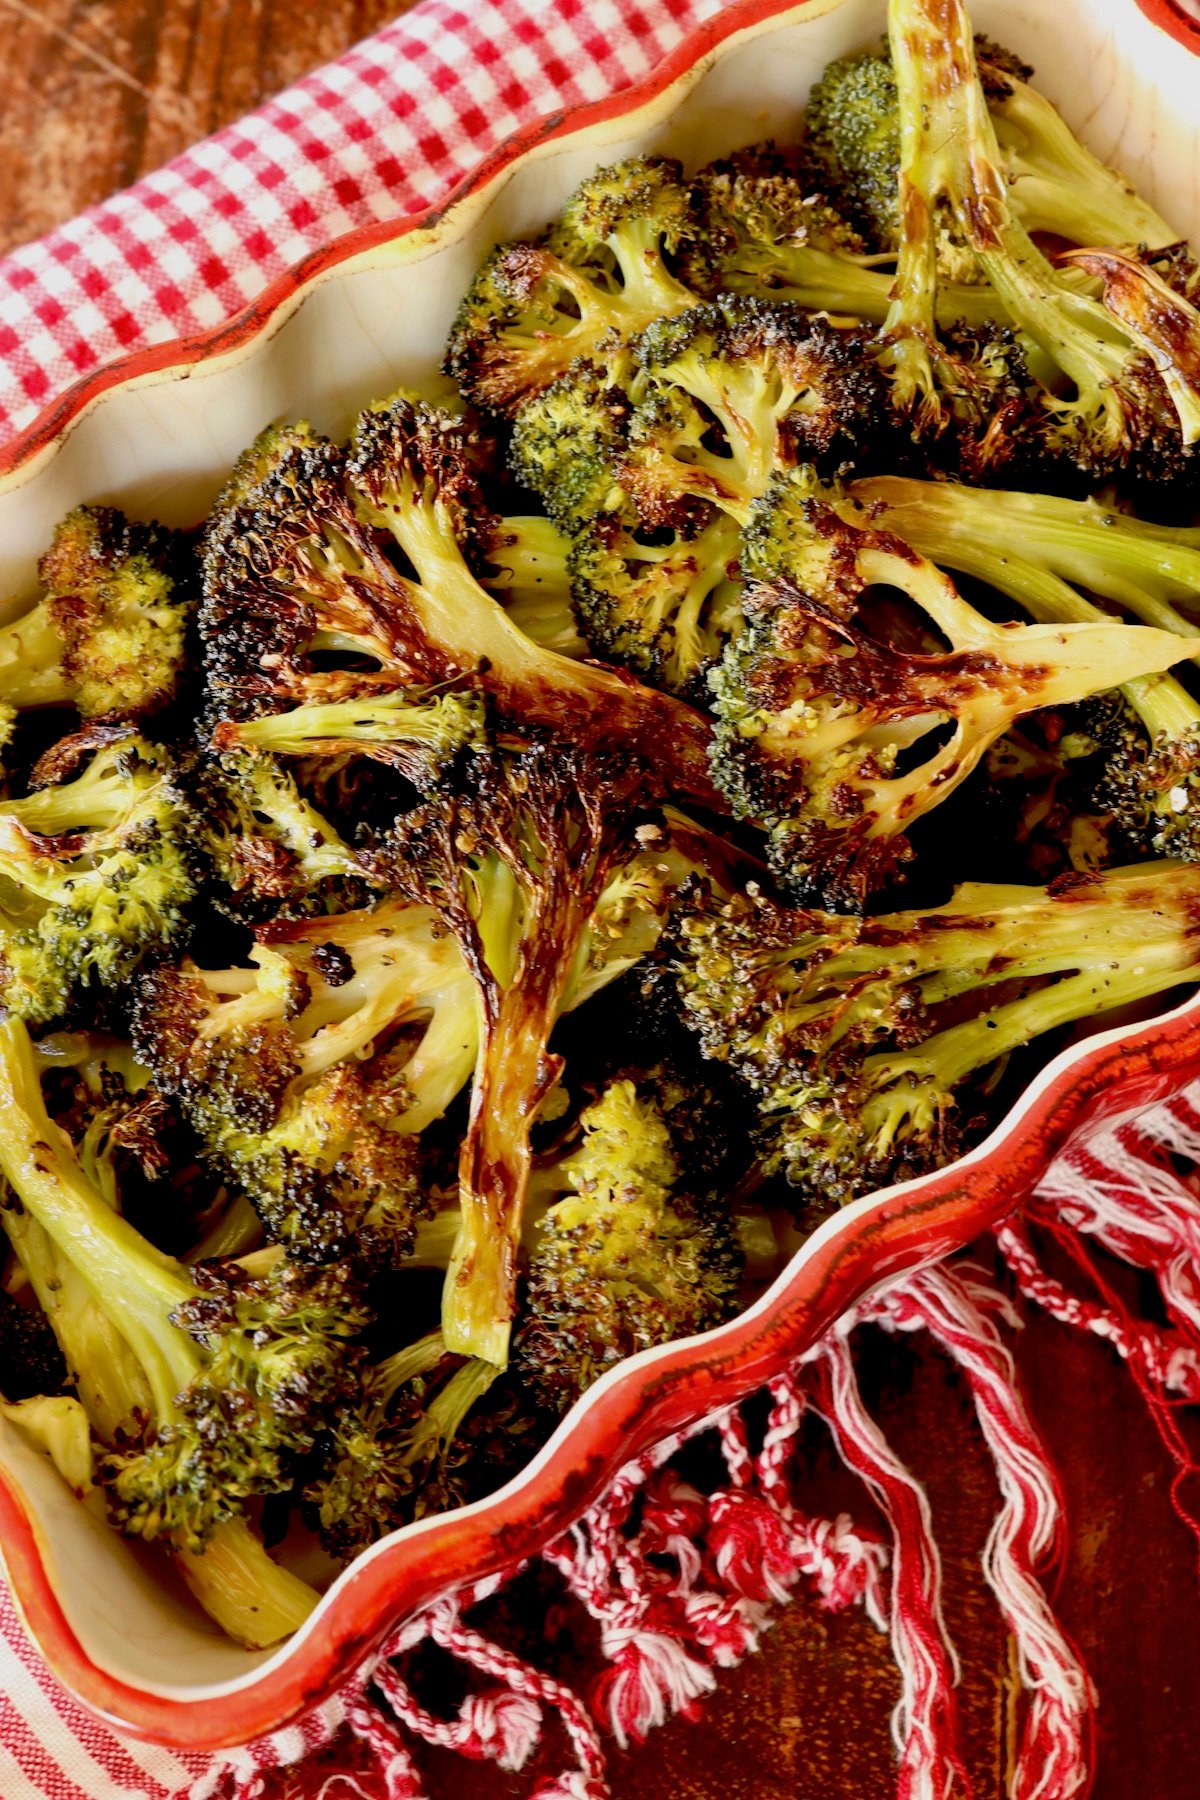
x,y
735,390
664,602
757,227
218,1379
411,478
623,1260
1122,411
597,277
869,1042
259,460
309,1074
304,625
1049,554
838,741
568,440
401,1450
109,636
94,875
523,561
515,857
852,140
264,844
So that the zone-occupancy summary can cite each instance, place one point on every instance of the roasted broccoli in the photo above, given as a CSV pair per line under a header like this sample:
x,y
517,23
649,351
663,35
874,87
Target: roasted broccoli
x,y
757,227
263,843
837,740
213,1381
1049,555
624,1259
598,276
309,1074
523,561
410,474
515,857
94,875
870,1042
399,1450
852,144
109,635
1103,405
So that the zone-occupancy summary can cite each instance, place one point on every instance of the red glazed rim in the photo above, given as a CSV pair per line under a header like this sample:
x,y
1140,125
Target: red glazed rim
x,y
655,1394
1172,17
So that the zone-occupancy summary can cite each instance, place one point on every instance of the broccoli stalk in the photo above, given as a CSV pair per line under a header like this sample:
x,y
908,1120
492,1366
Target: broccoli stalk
x,y
515,859
229,1372
852,1032
525,566
836,739
949,158
1040,551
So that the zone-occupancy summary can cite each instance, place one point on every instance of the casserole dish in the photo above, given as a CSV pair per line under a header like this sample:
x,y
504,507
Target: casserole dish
x,y
156,435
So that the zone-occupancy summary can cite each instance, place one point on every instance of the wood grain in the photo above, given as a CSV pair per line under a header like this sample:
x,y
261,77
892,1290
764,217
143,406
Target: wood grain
x,y
92,94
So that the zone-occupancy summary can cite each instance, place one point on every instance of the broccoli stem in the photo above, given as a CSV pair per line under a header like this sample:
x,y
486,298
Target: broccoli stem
x,y
821,281
1061,185
390,726
251,1597
1136,565
31,670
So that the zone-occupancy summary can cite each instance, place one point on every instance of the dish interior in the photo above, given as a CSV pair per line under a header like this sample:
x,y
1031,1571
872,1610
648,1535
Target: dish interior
x,y
161,445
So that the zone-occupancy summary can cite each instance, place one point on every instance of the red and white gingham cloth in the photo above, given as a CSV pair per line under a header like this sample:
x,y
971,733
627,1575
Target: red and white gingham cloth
x,y
385,131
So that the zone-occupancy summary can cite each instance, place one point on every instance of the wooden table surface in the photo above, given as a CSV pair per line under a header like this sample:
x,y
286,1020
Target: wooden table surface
x,y
93,93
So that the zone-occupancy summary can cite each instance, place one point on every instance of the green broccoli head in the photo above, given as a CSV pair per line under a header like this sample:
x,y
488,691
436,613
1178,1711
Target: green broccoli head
x,y
567,441
852,140
623,1261
119,598
870,1043
595,279
94,875
836,739
403,1448
309,1075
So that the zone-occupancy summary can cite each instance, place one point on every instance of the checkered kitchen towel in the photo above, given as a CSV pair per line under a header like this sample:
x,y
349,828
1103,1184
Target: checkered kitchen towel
x,y
385,131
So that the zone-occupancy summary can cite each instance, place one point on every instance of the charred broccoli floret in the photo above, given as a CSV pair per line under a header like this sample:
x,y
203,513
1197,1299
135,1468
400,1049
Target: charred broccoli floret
x,y
268,848
734,391
837,740
568,440
1049,555
94,875
598,276
304,621
757,227
1103,405
410,473
309,1074
664,602
852,141
401,1450
869,1042
515,857
624,1260
109,636
219,1378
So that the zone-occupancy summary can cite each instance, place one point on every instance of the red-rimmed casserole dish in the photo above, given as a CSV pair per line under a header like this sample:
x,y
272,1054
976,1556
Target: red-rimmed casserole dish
x,y
157,432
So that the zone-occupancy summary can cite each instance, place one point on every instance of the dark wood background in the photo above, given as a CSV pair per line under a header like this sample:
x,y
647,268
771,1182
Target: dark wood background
x,y
93,93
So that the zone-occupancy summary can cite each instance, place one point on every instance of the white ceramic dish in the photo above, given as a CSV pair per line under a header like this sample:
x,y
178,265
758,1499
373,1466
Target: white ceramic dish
x,y
358,320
